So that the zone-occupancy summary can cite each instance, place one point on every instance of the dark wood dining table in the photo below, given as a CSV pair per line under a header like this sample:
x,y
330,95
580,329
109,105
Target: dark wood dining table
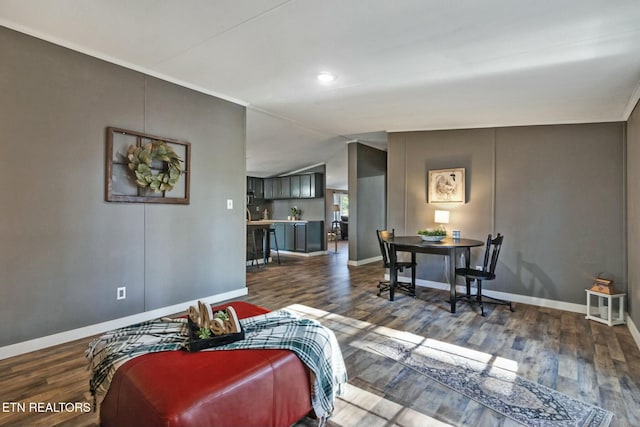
x,y
447,247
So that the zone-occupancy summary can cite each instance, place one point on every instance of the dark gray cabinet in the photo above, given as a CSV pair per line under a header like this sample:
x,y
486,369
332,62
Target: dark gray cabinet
x,y
277,188
295,186
316,186
314,232
273,188
285,233
268,187
284,190
299,236
255,186
289,238
304,186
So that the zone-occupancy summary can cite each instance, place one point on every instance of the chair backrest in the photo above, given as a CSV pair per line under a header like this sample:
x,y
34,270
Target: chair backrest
x,y
491,253
383,235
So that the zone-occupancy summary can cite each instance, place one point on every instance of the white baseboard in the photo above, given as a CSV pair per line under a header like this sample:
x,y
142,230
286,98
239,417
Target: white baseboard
x,y
260,261
303,254
540,302
87,331
365,261
634,330
249,263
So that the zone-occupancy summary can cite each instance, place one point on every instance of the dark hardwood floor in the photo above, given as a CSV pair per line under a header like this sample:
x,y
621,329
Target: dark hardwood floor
x,y
562,350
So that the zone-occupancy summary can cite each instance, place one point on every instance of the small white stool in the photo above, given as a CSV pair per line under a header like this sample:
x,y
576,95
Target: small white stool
x,y
605,312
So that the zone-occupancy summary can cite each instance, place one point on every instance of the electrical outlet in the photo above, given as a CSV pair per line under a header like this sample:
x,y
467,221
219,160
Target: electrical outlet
x,y
229,204
121,292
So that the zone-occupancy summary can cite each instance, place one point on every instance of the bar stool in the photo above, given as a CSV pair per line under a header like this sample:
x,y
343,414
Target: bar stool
x,y
254,249
275,239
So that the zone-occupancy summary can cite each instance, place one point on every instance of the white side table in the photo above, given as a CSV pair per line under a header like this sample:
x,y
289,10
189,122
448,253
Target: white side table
x,y
609,308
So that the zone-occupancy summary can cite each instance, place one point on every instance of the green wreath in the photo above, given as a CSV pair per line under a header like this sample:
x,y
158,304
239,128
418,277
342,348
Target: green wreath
x,y
140,159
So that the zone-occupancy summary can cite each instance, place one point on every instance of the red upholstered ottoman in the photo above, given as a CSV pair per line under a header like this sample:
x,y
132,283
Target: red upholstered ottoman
x,y
209,388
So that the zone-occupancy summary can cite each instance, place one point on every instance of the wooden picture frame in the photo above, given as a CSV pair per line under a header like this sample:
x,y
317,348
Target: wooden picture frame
x,y
446,186
120,183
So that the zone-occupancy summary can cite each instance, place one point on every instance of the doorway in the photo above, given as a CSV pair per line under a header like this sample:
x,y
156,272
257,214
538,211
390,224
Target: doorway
x,y
339,226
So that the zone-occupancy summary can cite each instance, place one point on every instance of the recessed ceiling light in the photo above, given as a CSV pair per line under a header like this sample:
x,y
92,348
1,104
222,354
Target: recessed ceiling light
x,y
325,77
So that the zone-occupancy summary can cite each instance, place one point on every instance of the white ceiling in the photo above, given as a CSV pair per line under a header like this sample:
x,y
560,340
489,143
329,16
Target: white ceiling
x,y
401,64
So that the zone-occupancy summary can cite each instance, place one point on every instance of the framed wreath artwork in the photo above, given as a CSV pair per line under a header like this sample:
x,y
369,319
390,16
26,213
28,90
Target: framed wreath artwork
x,y
446,186
143,168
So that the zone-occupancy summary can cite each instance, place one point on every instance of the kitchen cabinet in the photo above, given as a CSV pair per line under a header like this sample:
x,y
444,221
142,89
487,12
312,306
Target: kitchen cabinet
x,y
284,188
285,233
312,185
303,186
255,186
268,188
295,186
300,243
314,233
272,188
299,236
277,188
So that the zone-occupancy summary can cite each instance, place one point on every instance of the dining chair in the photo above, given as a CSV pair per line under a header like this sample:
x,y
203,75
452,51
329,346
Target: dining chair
x,y
488,272
385,285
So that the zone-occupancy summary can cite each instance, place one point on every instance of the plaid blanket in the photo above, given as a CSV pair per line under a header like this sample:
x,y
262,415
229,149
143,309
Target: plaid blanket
x,y
107,353
314,344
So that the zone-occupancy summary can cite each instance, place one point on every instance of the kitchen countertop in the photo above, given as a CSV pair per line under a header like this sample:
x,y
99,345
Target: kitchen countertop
x,y
273,221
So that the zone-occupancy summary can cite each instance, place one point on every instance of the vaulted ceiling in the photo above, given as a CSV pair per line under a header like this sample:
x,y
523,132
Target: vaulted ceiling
x,y
399,65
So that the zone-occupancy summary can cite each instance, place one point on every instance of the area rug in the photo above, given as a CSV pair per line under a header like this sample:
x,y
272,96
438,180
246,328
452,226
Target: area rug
x,y
526,402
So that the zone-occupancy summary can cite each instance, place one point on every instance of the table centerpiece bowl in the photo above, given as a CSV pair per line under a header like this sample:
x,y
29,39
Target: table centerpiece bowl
x,y
431,235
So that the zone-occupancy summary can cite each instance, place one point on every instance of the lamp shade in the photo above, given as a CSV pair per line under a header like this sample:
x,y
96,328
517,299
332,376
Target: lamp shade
x,y
336,208
441,217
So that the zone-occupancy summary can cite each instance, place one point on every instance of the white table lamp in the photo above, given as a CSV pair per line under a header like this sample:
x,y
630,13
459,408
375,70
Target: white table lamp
x,y
442,217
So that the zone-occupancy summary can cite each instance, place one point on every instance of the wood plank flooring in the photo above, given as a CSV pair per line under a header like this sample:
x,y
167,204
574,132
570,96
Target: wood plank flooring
x,y
584,359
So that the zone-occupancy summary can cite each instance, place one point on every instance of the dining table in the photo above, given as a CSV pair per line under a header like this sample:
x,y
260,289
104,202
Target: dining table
x,y
448,247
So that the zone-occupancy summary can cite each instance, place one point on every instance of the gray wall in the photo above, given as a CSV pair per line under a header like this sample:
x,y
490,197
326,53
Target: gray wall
x,y
633,214
367,200
555,192
411,155
63,249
